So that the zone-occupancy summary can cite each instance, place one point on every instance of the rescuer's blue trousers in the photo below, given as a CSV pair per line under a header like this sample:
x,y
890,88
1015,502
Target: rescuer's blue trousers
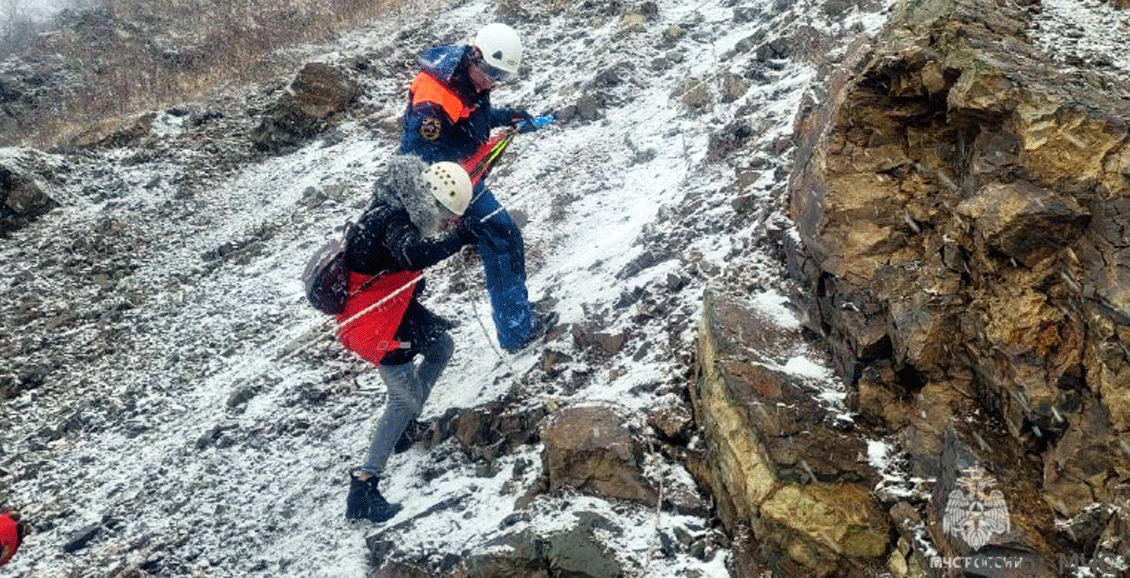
x,y
504,264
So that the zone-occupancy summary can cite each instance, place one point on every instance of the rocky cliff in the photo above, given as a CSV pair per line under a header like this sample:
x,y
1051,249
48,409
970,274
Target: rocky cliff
x,y
962,197
163,374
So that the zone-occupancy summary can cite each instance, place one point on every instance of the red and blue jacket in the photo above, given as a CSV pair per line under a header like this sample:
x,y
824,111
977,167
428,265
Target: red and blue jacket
x,y
446,118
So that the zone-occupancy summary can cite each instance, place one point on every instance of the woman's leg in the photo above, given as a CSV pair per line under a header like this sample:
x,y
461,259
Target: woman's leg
x,y
405,400
435,360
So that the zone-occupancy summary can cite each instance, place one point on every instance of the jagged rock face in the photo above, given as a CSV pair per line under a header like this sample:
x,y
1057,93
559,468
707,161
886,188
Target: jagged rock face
x,y
964,209
1010,527
779,461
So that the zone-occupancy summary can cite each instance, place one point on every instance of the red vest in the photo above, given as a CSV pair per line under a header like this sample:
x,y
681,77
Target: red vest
x,y
427,89
9,538
367,329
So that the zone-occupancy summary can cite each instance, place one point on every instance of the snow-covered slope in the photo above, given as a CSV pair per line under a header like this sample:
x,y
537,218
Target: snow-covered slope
x,y
185,413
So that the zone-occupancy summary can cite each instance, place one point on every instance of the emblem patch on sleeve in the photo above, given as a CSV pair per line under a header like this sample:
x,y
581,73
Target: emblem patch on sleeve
x,y
430,128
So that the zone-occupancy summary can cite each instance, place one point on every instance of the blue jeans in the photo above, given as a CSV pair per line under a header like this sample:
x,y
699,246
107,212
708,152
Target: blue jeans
x,y
409,386
504,264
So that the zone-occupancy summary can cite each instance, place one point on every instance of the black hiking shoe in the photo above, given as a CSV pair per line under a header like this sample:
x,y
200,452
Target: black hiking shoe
x,y
365,501
543,323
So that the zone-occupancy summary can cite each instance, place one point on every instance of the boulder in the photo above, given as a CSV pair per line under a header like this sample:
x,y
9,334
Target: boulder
x,y
526,550
590,449
113,132
778,460
519,554
306,108
672,421
694,93
25,179
488,431
586,338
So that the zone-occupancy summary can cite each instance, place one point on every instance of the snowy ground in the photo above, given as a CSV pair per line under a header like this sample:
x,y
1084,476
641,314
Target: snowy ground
x,y
1085,34
38,10
180,480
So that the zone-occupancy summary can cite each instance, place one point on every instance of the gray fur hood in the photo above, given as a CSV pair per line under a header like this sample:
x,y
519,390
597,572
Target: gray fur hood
x,y
402,187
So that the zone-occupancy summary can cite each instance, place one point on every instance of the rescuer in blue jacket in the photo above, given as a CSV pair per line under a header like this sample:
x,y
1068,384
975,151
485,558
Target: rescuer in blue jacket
x,y
449,118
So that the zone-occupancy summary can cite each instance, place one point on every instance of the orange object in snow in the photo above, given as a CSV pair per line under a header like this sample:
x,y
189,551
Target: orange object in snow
x,y
9,538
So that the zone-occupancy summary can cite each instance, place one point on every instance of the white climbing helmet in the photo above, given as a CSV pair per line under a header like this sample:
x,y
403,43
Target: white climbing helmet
x,y
450,185
501,47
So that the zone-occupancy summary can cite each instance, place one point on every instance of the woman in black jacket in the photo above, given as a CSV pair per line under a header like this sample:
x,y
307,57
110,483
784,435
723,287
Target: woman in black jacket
x,y
399,235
